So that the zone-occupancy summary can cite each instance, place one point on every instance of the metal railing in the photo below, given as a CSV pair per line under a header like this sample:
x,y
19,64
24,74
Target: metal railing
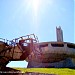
x,y
27,37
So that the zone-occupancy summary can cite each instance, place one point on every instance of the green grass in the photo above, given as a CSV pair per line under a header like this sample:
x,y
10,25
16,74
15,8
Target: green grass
x,y
57,71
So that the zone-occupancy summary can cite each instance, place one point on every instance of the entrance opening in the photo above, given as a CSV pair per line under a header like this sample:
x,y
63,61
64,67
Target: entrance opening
x,y
22,64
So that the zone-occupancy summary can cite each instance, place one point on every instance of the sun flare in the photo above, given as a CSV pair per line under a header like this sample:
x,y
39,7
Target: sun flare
x,y
35,5
34,9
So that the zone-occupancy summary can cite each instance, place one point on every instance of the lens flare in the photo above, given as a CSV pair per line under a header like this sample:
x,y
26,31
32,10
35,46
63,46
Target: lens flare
x,y
34,9
35,5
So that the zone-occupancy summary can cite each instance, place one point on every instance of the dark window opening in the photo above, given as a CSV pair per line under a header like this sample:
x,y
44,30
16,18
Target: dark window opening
x,y
57,45
71,46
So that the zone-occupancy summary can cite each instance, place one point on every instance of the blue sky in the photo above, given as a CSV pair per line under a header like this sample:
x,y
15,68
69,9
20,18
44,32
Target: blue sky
x,y
22,17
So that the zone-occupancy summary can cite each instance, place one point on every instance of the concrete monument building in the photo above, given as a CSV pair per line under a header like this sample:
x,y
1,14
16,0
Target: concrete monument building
x,y
54,54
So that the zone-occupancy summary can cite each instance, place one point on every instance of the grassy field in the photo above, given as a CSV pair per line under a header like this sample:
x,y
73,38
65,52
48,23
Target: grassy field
x,y
57,71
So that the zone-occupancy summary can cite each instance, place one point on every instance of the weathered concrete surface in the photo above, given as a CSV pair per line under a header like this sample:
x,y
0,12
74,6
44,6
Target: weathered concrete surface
x,y
53,51
10,71
67,63
54,54
36,74
28,73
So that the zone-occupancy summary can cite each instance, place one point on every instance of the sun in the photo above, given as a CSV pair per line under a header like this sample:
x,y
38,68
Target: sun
x,y
34,10
35,5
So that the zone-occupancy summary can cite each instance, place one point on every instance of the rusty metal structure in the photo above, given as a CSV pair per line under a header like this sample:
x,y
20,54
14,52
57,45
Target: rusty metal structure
x,y
38,54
